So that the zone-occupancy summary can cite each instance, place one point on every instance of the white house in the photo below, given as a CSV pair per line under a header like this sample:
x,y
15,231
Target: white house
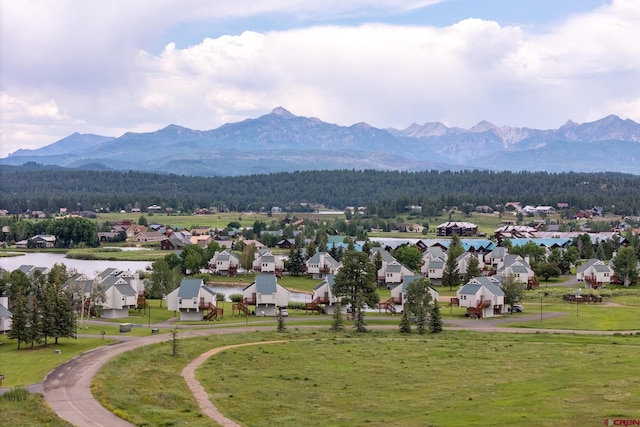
x,y
5,315
322,299
266,295
483,297
266,262
595,273
392,273
224,263
321,264
399,293
463,262
519,268
496,257
433,269
192,298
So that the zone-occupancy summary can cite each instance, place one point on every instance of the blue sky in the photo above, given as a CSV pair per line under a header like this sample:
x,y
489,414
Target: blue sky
x,y
91,66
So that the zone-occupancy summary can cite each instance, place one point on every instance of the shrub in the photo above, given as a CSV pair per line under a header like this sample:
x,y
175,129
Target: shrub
x,y
16,395
235,297
294,305
220,296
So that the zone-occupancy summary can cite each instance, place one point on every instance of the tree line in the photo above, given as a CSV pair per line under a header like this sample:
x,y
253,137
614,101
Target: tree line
x,y
385,193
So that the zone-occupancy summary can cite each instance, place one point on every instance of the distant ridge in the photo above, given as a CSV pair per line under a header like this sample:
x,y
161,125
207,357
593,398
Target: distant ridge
x,y
283,142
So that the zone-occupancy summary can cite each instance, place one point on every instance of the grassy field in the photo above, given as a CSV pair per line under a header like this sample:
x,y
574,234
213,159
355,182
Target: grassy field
x,y
26,366
116,255
28,410
384,378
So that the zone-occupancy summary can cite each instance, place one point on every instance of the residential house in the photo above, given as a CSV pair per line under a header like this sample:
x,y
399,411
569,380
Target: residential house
x,y
595,273
496,257
30,270
172,243
459,228
224,263
39,241
202,240
149,236
123,291
392,273
483,297
321,264
192,299
286,243
5,314
399,293
463,262
266,262
133,229
519,268
266,295
433,269
323,300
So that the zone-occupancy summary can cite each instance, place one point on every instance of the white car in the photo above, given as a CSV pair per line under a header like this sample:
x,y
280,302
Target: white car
x,y
284,312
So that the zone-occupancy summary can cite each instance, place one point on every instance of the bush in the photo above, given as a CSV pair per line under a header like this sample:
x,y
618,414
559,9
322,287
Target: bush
x,y
235,297
294,305
16,395
220,296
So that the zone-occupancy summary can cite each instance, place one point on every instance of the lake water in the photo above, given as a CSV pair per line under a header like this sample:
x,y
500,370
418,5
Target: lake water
x,y
89,267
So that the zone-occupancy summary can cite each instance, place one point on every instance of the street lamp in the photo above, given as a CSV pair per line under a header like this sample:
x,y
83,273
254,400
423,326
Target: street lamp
x,y
578,297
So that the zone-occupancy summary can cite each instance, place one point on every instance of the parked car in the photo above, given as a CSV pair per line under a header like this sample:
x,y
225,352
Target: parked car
x,y
284,312
516,308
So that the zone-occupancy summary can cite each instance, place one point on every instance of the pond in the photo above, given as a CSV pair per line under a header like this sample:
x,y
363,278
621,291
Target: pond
x,y
88,267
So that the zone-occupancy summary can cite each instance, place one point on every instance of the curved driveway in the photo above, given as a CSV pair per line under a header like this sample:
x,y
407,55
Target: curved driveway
x,y
67,389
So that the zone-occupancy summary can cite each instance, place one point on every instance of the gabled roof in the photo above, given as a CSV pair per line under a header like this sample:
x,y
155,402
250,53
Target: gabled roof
x,y
266,284
329,280
4,312
588,264
499,252
126,289
470,289
436,264
189,288
384,255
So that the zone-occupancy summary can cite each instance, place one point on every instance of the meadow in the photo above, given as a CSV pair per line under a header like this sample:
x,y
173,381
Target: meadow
x,y
383,378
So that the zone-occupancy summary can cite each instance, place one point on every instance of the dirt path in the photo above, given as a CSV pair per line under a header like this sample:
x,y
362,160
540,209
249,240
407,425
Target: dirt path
x,y
200,394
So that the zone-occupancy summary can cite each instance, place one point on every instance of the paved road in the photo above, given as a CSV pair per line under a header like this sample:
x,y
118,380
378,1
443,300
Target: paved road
x,y
67,389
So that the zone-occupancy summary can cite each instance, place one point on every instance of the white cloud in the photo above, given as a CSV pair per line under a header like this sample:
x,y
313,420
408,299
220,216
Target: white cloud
x,y
89,67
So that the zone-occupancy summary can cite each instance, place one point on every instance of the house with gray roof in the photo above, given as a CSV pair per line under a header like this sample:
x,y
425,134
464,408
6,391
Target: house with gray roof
x,y
595,273
483,297
323,296
399,293
519,268
266,262
266,295
224,263
321,264
433,269
392,273
5,314
192,299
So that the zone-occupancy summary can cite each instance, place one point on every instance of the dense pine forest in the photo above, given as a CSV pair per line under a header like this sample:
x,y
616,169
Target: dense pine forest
x,y
384,193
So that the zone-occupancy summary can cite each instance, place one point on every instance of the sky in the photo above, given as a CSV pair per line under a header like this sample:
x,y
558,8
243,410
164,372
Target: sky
x,y
110,67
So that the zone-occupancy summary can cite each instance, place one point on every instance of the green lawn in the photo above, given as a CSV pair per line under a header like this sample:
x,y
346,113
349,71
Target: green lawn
x,y
29,412
384,378
116,255
26,366
597,317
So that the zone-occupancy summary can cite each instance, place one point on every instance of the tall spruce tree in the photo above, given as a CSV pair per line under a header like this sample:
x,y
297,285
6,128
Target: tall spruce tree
x,y
405,327
435,320
451,274
337,323
473,269
356,284
418,299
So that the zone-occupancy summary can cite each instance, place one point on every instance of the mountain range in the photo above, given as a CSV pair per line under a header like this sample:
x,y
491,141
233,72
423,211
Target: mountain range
x,y
283,142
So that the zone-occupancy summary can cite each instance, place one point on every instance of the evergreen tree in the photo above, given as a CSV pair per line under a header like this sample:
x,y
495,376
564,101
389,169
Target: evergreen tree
x,y
337,323
405,327
296,263
20,323
281,326
418,299
356,283
435,320
625,266
513,290
451,274
473,269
